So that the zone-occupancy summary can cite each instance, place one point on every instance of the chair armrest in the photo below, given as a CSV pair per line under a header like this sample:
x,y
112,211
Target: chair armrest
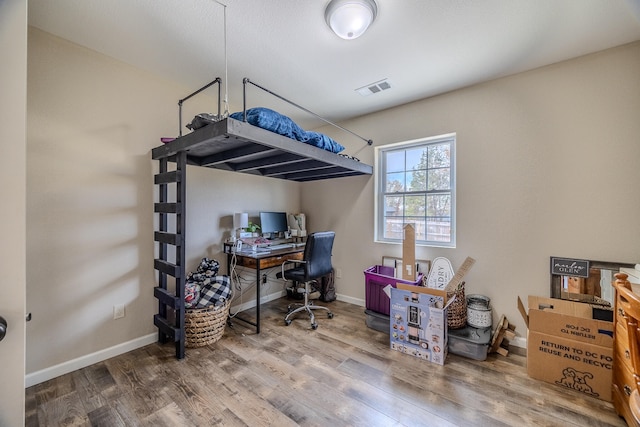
x,y
290,261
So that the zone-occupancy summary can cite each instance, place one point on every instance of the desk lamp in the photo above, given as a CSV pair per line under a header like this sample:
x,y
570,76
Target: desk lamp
x,y
240,221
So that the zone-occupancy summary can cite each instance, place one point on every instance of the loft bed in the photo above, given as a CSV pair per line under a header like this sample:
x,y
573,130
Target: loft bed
x,y
236,145
231,144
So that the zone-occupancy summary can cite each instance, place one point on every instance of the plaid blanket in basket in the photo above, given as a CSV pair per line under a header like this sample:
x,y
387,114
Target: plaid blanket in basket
x,y
205,287
216,291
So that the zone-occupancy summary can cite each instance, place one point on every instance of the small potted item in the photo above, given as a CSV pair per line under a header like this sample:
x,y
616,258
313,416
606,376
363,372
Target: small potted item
x,y
253,229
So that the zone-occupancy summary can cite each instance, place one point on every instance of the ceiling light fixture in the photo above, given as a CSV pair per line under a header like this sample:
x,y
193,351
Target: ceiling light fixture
x,y
349,19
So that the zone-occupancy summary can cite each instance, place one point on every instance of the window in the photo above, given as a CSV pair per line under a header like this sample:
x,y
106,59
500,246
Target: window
x,y
415,184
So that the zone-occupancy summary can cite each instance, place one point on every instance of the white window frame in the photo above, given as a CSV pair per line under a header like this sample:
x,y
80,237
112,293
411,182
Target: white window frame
x,y
380,187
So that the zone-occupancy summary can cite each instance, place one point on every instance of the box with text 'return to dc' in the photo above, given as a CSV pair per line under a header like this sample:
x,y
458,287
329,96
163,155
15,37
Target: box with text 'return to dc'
x,y
568,346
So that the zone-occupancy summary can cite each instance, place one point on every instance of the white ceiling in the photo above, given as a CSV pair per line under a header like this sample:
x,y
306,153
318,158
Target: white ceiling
x,y
423,47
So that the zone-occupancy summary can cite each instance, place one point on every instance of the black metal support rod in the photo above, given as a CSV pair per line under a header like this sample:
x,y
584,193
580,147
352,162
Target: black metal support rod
x,y
244,108
217,80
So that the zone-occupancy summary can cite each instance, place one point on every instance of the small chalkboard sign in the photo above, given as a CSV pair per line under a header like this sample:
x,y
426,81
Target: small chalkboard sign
x,y
570,267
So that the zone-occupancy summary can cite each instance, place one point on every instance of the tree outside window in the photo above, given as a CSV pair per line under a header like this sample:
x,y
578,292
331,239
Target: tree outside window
x,y
415,184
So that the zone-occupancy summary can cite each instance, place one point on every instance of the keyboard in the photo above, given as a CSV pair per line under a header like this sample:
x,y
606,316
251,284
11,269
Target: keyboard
x,y
281,246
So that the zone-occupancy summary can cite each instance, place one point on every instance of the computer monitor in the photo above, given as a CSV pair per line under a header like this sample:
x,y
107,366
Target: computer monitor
x,y
273,222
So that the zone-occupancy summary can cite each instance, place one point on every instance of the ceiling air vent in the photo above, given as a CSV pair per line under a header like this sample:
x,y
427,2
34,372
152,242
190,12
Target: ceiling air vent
x,y
375,87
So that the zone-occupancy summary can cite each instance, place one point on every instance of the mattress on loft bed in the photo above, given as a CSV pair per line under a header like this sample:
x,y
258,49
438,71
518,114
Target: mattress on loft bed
x,y
278,123
275,122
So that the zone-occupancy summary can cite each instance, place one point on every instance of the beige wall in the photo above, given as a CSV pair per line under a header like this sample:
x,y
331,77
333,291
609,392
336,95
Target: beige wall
x,y
13,87
542,158
92,122
547,165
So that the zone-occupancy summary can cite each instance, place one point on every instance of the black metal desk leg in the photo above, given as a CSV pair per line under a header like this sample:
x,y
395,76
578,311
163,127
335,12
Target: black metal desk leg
x,y
258,283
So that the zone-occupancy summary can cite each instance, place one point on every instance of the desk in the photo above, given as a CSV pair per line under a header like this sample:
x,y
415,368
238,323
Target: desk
x,y
258,261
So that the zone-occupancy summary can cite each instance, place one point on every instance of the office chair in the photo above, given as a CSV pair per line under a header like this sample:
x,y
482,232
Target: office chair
x,y
316,263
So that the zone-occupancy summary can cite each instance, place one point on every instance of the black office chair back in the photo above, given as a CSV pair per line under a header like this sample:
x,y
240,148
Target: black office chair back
x,y
317,254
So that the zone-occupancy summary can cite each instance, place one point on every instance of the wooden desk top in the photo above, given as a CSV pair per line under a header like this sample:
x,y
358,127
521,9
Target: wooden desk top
x,y
264,259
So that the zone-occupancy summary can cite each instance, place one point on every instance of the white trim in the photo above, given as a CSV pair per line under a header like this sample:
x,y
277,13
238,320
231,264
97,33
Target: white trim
x,y
380,167
252,303
520,342
99,356
350,300
87,360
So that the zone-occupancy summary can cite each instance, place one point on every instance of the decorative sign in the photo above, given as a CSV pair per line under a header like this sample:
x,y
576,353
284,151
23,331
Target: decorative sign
x,y
440,274
570,267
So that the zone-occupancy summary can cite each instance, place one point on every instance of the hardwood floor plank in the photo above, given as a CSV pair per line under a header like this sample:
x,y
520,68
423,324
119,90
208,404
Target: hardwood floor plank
x,y
372,400
66,410
90,386
422,393
169,416
316,394
106,416
239,396
342,373
53,389
582,408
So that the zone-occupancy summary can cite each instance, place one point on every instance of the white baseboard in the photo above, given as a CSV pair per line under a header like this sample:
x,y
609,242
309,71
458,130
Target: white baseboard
x,y
520,342
89,359
252,301
350,300
84,361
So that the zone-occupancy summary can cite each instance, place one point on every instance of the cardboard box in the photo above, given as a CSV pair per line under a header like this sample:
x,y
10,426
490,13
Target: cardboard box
x,y
568,347
409,253
418,322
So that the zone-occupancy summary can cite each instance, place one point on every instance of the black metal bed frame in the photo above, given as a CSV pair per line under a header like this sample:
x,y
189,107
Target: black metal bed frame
x,y
231,145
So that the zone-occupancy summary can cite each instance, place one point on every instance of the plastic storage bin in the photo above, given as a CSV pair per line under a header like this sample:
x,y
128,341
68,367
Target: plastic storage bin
x,y
376,278
470,342
377,321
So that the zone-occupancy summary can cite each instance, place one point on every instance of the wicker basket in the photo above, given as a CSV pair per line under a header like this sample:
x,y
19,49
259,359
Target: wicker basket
x,y
457,311
204,326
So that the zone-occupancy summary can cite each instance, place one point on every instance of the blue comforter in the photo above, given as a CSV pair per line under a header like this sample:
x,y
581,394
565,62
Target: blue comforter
x,y
283,125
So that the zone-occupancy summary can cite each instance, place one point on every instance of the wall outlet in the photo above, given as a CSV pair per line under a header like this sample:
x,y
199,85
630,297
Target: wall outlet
x,y
118,311
338,273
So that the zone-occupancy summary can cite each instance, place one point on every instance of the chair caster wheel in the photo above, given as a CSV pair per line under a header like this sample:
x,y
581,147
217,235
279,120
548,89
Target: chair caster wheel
x,y
287,322
330,315
314,326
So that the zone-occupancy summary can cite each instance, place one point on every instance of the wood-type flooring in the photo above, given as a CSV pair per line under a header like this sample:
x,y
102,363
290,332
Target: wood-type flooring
x,y
342,374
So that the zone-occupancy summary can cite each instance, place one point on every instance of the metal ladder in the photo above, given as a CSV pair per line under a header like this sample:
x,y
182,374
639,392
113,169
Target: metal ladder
x,y
170,317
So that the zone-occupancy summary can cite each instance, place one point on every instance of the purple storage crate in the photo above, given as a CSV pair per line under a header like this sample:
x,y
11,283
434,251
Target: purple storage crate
x,y
376,278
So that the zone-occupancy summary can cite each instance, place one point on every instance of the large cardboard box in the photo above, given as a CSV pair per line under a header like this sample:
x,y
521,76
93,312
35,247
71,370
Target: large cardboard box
x,y
418,322
566,346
